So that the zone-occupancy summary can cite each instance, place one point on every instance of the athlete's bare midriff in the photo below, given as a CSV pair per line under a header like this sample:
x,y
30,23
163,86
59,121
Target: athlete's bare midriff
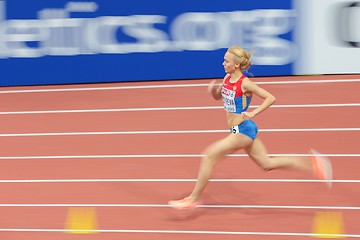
x,y
234,119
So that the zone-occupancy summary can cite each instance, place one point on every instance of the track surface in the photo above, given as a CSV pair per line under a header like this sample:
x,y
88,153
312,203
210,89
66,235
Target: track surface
x,y
125,149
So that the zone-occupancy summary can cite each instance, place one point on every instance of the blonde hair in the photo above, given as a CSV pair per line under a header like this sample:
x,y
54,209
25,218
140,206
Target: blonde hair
x,y
241,56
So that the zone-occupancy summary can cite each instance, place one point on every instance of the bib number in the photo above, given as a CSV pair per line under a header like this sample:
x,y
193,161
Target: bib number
x,y
235,129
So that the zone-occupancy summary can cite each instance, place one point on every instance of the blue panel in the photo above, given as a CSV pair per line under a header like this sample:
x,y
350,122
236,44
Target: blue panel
x,y
58,42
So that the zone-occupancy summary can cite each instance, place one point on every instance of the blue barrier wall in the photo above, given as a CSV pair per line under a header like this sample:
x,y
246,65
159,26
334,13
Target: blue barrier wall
x,y
57,42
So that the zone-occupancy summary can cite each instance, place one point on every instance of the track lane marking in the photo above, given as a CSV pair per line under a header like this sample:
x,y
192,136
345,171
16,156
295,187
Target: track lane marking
x,y
132,205
171,86
154,180
292,234
173,108
165,156
171,132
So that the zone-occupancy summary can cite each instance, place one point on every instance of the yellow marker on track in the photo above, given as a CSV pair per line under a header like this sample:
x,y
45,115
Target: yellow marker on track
x,y
81,220
328,225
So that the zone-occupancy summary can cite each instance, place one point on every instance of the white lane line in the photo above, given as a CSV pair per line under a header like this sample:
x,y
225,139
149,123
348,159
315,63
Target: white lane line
x,y
187,232
131,205
167,180
114,133
172,108
165,156
170,86
172,132
111,110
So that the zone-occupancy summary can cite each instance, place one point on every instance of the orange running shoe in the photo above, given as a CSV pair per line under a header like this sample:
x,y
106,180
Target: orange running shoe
x,y
185,203
322,168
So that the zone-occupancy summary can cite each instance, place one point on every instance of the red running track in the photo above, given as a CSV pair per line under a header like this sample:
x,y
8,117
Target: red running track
x,y
125,149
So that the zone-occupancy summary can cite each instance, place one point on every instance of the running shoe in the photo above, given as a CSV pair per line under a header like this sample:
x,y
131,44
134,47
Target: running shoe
x,y
185,203
322,167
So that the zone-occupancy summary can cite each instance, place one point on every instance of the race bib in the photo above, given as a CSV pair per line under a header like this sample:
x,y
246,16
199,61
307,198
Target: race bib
x,y
235,129
228,97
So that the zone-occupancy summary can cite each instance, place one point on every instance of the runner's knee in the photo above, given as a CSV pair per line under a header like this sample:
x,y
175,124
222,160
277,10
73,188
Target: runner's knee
x,y
210,157
266,164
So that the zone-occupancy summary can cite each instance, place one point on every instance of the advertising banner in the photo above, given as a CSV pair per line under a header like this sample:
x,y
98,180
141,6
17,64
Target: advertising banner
x,y
60,42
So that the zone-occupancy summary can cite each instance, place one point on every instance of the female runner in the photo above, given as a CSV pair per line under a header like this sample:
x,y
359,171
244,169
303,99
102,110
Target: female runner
x,y
236,91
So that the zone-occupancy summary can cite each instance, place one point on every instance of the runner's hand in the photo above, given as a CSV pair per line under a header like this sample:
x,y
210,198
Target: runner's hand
x,y
248,115
215,89
212,86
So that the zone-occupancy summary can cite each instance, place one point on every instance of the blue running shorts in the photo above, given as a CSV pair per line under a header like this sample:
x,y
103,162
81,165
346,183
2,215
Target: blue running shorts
x,y
247,127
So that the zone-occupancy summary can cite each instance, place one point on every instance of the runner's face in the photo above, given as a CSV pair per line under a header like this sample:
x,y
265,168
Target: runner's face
x,y
229,64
